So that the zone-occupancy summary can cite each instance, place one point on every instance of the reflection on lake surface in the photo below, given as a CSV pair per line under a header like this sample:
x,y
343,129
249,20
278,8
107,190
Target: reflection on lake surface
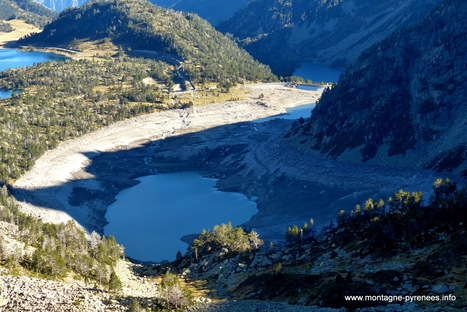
x,y
150,218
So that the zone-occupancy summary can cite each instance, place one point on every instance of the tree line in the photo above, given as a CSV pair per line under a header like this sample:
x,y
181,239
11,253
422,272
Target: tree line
x,y
54,250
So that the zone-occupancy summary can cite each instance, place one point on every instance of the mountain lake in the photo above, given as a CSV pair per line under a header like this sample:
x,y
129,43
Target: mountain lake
x,y
317,73
150,218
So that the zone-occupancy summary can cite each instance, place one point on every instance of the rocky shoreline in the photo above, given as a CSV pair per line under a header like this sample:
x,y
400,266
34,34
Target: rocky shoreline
x,y
81,177
58,184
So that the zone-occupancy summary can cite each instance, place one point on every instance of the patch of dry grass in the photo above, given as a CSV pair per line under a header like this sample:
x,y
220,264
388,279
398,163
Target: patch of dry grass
x,y
21,28
203,97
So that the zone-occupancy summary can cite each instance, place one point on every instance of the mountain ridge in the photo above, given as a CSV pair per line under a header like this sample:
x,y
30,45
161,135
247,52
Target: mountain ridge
x,y
331,33
214,11
60,5
140,25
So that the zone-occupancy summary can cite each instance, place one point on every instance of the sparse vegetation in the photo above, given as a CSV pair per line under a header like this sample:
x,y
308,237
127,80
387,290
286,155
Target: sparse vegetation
x,y
5,27
173,295
297,235
227,238
61,100
403,220
401,246
206,54
53,250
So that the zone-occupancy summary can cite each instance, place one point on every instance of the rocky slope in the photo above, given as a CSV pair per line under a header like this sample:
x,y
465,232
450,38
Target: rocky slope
x,y
402,102
332,33
411,250
23,293
28,294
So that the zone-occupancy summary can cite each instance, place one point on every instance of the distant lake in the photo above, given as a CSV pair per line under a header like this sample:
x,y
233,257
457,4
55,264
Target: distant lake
x,y
150,218
292,113
10,58
317,73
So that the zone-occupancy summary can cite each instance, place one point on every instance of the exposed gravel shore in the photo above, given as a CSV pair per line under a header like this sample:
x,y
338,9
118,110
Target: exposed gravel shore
x,y
81,177
66,163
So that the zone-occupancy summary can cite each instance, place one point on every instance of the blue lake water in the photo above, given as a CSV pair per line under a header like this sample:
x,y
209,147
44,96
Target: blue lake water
x,y
292,113
317,73
150,218
299,111
5,93
310,87
10,58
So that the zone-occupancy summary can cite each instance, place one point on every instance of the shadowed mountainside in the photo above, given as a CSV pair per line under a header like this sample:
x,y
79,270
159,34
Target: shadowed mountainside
x,y
402,102
214,11
328,32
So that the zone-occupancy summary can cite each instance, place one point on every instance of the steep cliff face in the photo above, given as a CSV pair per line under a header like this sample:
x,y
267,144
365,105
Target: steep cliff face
x,y
334,33
403,101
